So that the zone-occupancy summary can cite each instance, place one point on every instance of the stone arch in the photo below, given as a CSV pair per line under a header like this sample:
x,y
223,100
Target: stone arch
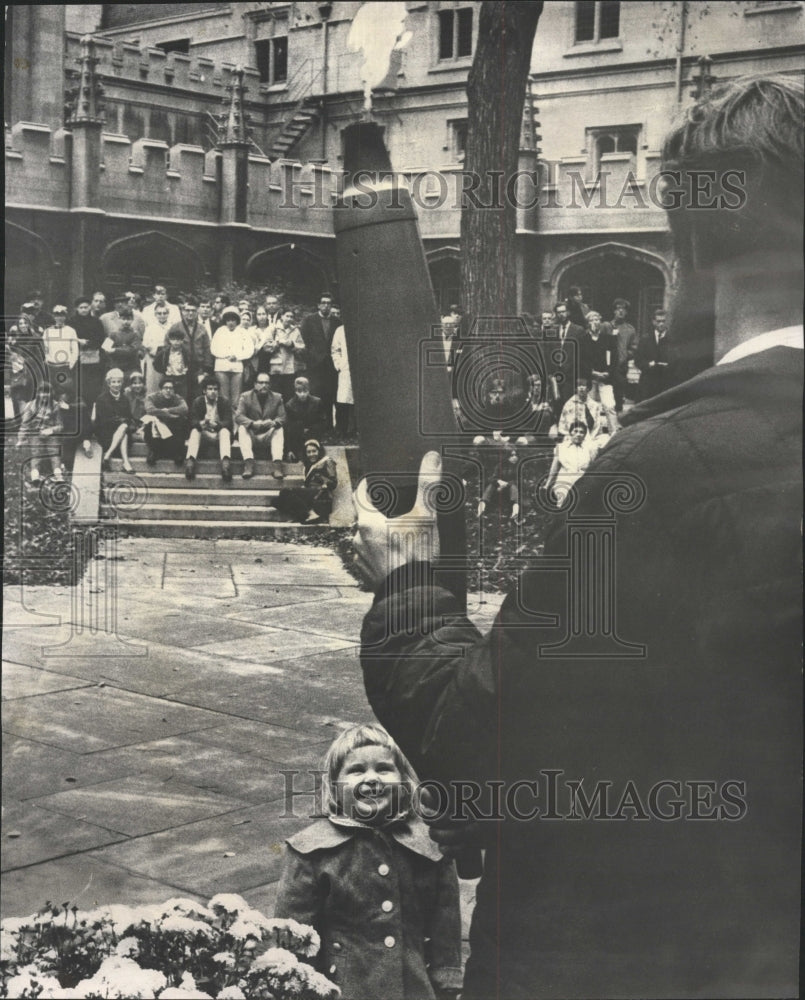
x,y
138,262
611,270
298,272
29,263
444,264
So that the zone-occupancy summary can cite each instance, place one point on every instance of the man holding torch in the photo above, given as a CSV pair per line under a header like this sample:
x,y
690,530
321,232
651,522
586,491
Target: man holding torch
x,y
653,846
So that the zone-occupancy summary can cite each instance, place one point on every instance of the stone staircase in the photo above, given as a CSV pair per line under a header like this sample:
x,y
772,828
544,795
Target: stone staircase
x,y
159,501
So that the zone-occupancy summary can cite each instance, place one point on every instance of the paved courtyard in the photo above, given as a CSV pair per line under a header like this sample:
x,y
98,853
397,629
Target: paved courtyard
x,y
147,762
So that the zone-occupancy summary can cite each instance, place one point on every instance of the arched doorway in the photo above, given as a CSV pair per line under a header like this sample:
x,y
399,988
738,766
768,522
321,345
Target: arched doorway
x,y
444,265
292,270
29,264
613,271
137,263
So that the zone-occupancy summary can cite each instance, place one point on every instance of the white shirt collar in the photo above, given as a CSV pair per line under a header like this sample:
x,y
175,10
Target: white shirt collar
x,y
789,336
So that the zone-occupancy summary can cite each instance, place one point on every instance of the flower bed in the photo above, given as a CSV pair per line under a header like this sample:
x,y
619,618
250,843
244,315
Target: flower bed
x,y
178,949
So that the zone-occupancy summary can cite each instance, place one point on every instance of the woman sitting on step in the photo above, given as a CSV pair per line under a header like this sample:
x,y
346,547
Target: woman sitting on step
x,y
112,420
313,502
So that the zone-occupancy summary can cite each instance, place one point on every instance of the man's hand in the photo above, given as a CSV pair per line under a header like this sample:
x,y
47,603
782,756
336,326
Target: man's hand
x,y
382,544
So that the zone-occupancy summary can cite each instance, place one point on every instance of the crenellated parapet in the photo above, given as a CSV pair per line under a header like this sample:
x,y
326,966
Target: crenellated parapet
x,y
125,61
36,162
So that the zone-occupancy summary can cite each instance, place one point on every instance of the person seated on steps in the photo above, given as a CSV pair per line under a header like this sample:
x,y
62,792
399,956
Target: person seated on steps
x,y
165,423
260,419
40,429
305,419
112,421
210,424
313,502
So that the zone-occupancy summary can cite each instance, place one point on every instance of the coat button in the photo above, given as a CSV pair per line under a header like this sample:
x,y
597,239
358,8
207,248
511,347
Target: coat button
x,y
333,969
336,946
387,906
383,870
389,942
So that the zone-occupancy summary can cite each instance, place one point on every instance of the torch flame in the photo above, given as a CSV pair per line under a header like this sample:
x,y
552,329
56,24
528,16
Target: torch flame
x,y
377,31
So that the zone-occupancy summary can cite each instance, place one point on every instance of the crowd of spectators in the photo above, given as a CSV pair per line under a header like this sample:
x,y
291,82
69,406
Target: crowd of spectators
x,y
199,373
584,372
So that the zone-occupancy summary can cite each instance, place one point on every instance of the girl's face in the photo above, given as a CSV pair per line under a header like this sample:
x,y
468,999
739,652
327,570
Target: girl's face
x,y
261,316
369,785
577,435
312,452
287,318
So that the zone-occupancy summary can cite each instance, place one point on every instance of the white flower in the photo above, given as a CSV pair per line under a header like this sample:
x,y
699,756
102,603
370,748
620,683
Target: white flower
x,y
308,942
122,978
242,929
184,925
128,947
119,917
29,981
276,960
319,984
224,958
8,946
13,925
61,993
229,902
180,993
186,907
231,993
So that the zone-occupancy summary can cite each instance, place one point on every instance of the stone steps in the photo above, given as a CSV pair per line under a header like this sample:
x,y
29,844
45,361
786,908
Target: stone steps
x,y
151,511
158,501
171,528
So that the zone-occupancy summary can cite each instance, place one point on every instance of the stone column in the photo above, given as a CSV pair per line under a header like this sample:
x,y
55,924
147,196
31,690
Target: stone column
x,y
86,121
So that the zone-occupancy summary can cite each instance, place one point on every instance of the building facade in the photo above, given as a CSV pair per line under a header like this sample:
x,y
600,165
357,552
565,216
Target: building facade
x,y
201,143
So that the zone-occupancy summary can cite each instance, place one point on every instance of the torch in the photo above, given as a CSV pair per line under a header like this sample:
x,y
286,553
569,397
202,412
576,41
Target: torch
x,y
404,405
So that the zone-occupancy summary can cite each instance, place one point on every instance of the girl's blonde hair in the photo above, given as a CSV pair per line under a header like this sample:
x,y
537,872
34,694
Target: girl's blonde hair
x,y
353,739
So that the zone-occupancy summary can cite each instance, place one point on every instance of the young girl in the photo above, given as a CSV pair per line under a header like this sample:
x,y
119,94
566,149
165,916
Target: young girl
x,y
372,882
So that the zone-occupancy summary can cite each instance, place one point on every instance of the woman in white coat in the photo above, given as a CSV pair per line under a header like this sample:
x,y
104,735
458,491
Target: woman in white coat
x,y
344,400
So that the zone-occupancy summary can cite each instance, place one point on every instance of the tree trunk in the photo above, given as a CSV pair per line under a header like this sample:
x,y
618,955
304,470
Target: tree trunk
x,y
496,88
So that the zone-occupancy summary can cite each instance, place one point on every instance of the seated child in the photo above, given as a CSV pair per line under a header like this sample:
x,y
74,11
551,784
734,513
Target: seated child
x,y
371,881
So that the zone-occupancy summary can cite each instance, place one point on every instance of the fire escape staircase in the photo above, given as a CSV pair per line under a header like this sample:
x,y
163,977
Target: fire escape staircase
x,y
306,113
305,91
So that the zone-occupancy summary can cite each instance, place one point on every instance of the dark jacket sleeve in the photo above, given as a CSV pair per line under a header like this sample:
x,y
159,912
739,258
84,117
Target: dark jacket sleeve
x,y
198,411
434,690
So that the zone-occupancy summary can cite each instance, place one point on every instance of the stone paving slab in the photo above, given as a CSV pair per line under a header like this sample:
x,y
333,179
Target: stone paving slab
x,y
340,618
331,680
178,628
162,670
272,644
139,804
82,721
276,594
265,741
202,764
20,681
83,880
32,834
193,858
312,566
34,769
